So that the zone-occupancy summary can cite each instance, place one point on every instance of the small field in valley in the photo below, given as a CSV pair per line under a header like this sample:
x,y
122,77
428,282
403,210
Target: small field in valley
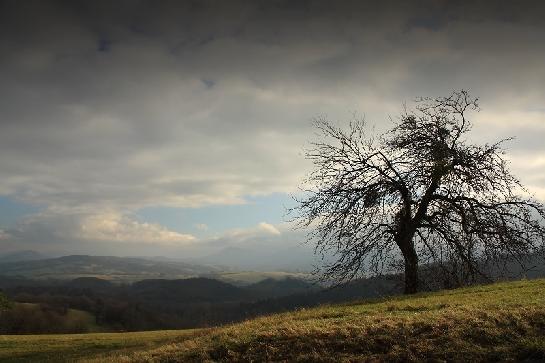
x,y
499,322
252,277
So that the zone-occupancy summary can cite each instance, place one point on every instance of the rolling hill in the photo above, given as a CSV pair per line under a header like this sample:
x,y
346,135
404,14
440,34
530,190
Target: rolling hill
x,y
31,265
498,322
17,256
126,269
149,304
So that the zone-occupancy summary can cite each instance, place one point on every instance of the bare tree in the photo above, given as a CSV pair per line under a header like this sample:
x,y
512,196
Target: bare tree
x,y
419,193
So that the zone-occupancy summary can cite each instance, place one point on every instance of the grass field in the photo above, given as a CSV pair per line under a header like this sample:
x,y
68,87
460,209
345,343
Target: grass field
x,y
72,347
500,322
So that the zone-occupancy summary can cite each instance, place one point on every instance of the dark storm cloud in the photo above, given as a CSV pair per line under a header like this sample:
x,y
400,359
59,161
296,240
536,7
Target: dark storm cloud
x,y
107,107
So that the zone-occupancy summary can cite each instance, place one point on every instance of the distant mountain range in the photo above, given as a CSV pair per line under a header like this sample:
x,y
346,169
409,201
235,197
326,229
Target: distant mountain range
x,y
21,256
34,265
233,265
125,269
284,256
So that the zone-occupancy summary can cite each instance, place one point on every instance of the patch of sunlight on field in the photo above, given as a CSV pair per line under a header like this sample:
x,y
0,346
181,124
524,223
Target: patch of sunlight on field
x,y
252,277
69,347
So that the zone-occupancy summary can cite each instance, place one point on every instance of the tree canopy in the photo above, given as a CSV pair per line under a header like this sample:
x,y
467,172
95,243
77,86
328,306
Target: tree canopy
x,y
419,193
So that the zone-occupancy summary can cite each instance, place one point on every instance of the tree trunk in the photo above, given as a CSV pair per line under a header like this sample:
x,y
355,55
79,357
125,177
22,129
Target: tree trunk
x,y
411,270
404,241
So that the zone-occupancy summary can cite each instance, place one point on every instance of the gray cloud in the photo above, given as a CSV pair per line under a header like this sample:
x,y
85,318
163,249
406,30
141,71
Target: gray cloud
x,y
105,107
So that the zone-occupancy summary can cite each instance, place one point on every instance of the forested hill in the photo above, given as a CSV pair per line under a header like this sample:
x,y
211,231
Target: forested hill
x,y
143,305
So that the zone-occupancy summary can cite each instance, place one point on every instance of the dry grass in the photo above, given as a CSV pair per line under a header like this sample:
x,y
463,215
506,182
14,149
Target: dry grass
x,y
71,347
500,322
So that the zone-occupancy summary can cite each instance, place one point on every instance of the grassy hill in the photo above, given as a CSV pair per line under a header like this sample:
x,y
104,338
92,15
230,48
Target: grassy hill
x,y
499,322
74,347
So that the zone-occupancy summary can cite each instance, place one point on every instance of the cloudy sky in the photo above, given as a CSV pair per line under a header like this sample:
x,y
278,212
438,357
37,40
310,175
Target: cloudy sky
x,y
177,128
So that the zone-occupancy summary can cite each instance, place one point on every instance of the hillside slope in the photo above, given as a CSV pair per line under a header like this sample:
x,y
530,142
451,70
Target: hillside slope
x,y
71,347
499,322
